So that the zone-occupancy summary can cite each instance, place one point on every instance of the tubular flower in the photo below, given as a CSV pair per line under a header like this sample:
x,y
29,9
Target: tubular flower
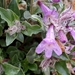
x,y
47,12
44,8
49,44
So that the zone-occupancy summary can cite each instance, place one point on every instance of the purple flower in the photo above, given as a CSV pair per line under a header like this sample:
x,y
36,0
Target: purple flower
x,y
56,0
44,8
49,44
62,36
47,12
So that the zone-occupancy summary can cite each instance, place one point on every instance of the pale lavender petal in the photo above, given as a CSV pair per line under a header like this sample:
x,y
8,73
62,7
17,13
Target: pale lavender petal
x,y
57,49
40,47
54,13
46,20
50,38
46,11
44,8
62,37
48,52
50,34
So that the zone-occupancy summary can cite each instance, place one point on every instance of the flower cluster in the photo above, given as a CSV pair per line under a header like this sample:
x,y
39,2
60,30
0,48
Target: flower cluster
x,y
57,26
16,28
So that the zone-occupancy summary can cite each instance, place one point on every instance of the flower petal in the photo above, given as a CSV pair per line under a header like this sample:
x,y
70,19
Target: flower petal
x,y
48,51
57,49
46,20
50,35
46,11
44,8
40,47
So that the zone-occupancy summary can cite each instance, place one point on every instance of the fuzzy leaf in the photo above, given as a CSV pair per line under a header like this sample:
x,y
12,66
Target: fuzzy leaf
x,y
10,39
31,55
62,68
14,7
62,57
31,29
20,37
27,15
10,69
33,67
25,65
20,72
8,15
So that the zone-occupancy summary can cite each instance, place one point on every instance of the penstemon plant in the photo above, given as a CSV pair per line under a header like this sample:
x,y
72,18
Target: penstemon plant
x,y
37,37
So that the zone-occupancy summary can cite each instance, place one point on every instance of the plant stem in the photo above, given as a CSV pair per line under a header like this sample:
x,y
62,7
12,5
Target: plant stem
x,y
4,3
31,6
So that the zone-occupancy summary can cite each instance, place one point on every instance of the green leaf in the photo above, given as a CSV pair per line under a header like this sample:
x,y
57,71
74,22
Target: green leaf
x,y
72,62
1,3
15,60
37,18
36,10
32,67
61,68
25,65
2,43
21,72
31,29
20,37
27,15
8,15
31,55
10,69
62,57
14,7
11,49
10,39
